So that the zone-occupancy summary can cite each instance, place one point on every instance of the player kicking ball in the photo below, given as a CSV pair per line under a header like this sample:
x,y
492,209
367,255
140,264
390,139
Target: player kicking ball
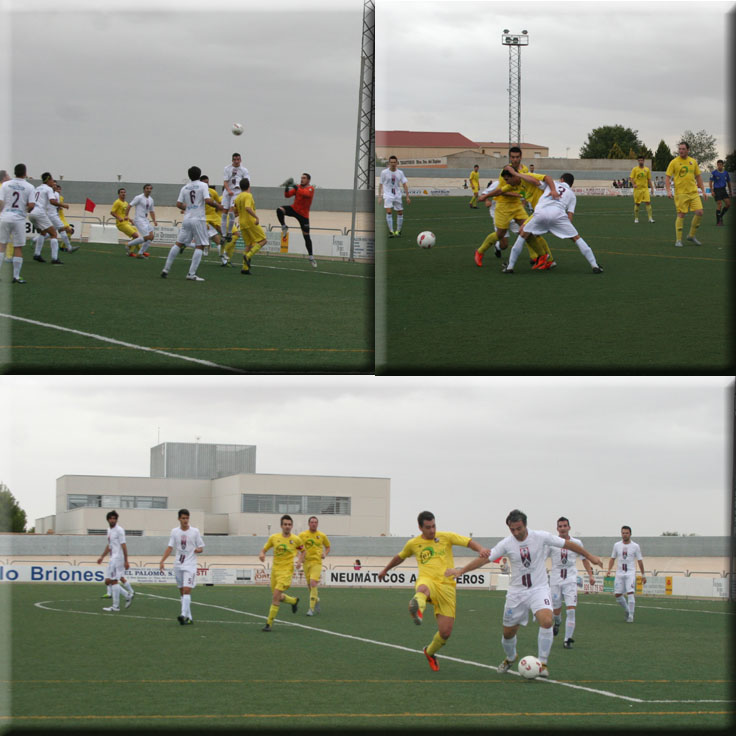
x,y
529,591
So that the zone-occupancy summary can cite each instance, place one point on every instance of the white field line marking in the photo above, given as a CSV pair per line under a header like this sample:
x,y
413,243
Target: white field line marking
x,y
661,608
124,344
418,651
40,604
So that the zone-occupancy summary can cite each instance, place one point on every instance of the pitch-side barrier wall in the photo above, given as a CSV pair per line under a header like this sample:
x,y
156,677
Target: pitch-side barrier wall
x,y
341,576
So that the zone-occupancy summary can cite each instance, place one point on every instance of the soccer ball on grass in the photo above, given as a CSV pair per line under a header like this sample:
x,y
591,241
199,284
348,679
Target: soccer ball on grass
x,y
237,129
425,239
530,667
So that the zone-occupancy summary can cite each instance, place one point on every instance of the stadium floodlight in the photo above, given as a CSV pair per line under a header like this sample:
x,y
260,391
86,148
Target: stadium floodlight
x,y
514,41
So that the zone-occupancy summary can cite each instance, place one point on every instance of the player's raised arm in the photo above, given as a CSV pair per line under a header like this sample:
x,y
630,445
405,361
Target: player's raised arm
x,y
573,547
395,560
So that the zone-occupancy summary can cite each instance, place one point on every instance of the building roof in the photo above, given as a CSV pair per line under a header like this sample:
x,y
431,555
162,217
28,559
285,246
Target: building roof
x,y
422,139
501,144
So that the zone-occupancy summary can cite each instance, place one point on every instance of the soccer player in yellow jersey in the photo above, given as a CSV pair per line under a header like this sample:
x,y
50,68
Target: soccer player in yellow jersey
x,y
285,548
252,233
212,217
433,551
642,178
475,186
540,255
686,174
119,211
317,547
66,230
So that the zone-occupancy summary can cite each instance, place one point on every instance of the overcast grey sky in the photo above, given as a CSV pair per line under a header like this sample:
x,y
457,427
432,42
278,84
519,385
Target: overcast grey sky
x,y
146,88
648,452
657,67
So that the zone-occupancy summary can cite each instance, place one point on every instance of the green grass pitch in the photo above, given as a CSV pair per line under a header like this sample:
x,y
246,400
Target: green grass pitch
x,y
655,309
285,317
357,664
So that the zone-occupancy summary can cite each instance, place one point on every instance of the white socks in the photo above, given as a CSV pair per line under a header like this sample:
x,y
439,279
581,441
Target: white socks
x,y
137,241
390,221
544,643
399,222
54,249
516,249
116,590
127,586
621,600
569,623
186,609
17,263
586,251
632,604
39,245
173,253
196,258
509,647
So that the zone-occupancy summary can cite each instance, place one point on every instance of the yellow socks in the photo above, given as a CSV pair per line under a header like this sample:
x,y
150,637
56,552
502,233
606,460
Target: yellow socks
x,y
679,223
488,242
422,600
289,599
437,643
255,249
272,614
695,224
649,210
313,598
229,248
535,247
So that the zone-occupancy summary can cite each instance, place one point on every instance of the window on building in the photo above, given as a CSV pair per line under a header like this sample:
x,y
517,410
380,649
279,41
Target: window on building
x,y
80,500
264,503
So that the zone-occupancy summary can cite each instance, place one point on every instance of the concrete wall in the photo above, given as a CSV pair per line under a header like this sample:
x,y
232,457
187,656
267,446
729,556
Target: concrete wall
x,y
104,194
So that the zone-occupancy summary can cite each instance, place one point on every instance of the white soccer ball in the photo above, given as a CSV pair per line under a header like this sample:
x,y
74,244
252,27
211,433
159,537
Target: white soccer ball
x,y
237,129
425,239
530,667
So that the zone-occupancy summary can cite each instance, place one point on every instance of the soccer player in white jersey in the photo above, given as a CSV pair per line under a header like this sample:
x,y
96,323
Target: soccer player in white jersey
x,y
526,550
143,204
390,186
43,197
185,542
626,554
16,200
563,581
118,564
552,214
191,201
230,189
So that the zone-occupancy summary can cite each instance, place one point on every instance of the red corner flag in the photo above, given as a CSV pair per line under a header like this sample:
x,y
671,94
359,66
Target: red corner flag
x,y
89,205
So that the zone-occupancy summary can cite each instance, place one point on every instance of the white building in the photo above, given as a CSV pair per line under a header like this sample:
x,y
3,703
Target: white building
x,y
243,503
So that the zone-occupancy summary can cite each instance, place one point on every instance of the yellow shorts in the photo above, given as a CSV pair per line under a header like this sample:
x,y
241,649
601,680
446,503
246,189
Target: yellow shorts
x,y
126,228
281,579
252,234
215,222
688,202
505,216
641,195
313,570
441,596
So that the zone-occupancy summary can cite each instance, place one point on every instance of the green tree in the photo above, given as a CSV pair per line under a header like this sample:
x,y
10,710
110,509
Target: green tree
x,y
702,147
12,516
601,141
662,157
730,161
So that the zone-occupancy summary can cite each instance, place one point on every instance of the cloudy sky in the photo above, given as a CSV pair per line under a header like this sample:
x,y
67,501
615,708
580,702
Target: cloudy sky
x,y
146,88
649,452
656,67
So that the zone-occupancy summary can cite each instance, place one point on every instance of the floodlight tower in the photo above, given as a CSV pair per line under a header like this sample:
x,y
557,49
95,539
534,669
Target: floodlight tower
x,y
365,146
515,41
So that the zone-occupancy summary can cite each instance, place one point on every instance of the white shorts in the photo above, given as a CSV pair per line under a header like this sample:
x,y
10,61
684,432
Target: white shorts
x,y
228,199
520,602
393,203
56,221
193,231
40,220
13,231
185,578
567,590
115,569
625,582
551,220
143,226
